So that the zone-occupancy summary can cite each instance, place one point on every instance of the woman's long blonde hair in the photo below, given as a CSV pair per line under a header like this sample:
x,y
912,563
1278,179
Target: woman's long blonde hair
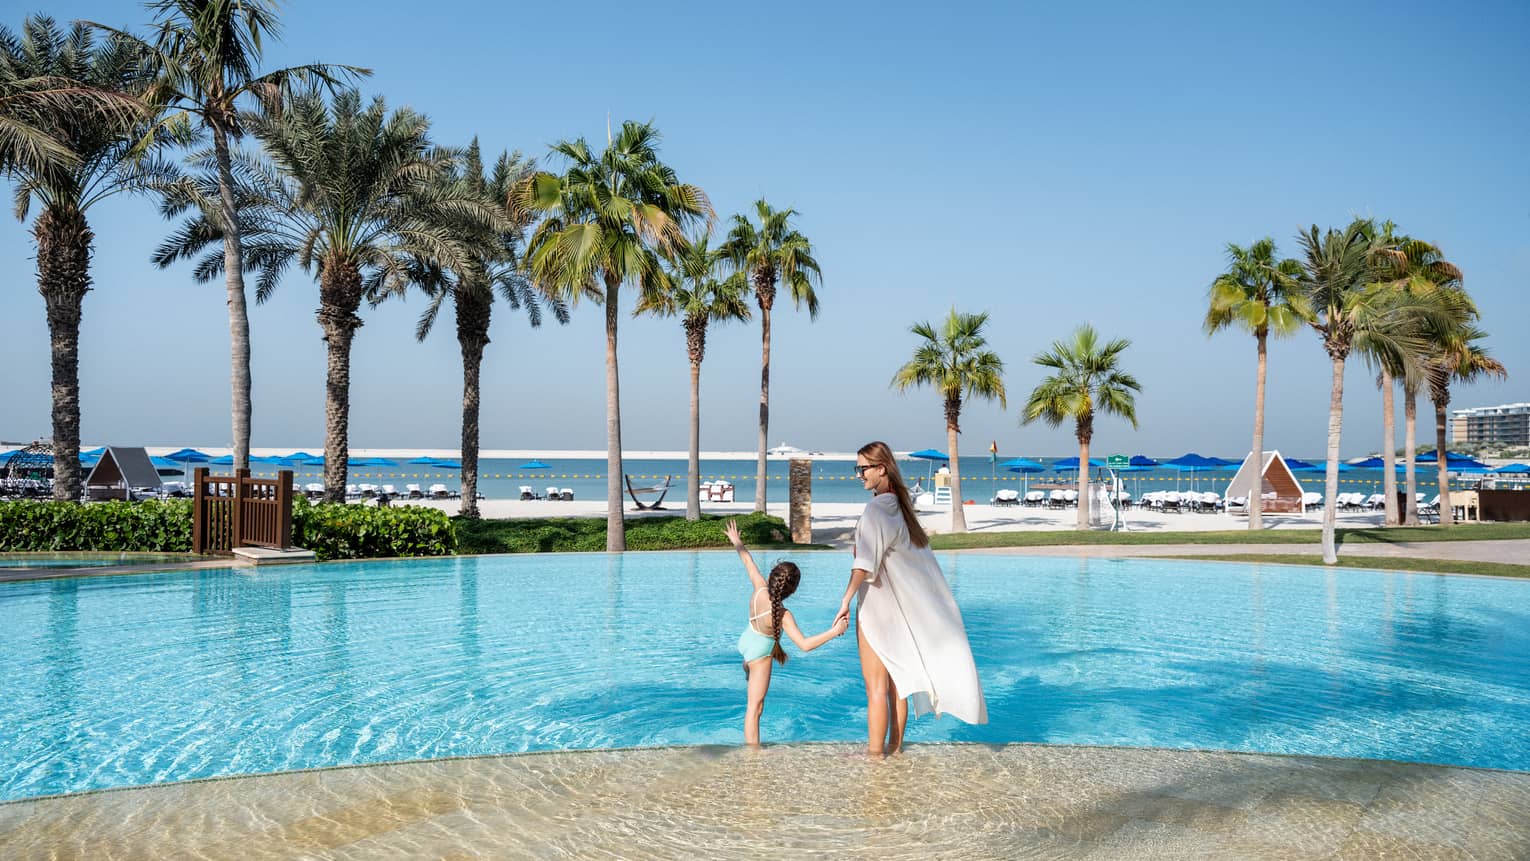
x,y
878,454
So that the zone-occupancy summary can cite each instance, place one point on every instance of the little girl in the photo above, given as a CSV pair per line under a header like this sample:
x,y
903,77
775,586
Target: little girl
x,y
768,617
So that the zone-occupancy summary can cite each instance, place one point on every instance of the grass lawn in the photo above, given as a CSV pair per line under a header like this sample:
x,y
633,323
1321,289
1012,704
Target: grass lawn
x,y
1382,563
564,534
1372,535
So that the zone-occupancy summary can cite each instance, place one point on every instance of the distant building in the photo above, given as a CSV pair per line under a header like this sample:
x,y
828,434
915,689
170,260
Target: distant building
x,y
1503,425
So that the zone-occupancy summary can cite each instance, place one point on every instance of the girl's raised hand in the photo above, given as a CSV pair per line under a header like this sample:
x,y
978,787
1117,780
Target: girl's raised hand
x,y
732,532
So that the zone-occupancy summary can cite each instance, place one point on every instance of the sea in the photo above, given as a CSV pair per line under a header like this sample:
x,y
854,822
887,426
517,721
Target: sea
x,y
833,479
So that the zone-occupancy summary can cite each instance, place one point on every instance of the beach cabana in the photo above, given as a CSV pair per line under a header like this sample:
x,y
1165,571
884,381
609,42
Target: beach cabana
x,y
119,472
1271,478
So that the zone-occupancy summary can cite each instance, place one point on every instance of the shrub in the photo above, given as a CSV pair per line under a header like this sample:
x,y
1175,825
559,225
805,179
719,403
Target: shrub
x,y
151,526
341,531
565,534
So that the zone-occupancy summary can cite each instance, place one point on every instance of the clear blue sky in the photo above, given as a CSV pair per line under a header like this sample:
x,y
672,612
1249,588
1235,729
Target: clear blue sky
x,y
1048,165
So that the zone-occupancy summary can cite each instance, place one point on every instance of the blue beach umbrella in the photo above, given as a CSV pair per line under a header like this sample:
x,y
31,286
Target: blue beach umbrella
x,y
930,455
1453,461
1070,463
372,461
1194,463
422,461
1023,466
1513,469
534,464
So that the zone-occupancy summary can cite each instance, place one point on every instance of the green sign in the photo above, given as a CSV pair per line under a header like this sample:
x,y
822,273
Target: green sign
x,y
1118,461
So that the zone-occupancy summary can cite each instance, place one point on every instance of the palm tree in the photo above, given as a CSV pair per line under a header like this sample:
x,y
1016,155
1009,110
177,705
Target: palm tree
x,y
604,222
207,54
1454,356
769,252
954,362
1259,294
493,267
692,292
67,150
1350,314
1418,269
352,194
1088,379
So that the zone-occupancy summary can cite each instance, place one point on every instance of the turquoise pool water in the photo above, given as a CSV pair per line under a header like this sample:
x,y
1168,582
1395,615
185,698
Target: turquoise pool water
x,y
132,680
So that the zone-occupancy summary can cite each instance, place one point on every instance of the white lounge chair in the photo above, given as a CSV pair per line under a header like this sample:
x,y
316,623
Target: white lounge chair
x,y
414,491
526,492
566,494
1311,500
1035,498
552,492
439,491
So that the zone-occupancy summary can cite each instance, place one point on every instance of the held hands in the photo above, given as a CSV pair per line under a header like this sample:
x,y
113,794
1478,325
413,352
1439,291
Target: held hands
x,y
841,624
843,616
731,530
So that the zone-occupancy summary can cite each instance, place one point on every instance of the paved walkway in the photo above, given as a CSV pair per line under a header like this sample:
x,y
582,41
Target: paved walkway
x,y
807,801
1515,551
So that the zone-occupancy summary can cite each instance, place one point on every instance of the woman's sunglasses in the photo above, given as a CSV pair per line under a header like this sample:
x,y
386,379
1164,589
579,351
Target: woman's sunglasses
x,y
860,470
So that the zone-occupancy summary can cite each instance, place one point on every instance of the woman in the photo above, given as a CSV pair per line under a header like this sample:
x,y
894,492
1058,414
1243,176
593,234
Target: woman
x,y
912,642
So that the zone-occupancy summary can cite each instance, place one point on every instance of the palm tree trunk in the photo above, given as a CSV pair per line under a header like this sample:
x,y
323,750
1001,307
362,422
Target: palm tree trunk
x,y
1255,517
472,361
693,484
759,481
1410,456
616,529
953,431
472,336
1331,482
238,314
63,278
1085,434
1442,466
339,297
1388,448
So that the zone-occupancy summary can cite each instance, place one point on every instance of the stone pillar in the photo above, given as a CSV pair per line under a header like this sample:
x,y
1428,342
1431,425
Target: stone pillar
x,y
799,492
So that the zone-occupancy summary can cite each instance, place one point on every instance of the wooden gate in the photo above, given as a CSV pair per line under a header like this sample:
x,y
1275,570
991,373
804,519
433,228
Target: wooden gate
x,y
236,510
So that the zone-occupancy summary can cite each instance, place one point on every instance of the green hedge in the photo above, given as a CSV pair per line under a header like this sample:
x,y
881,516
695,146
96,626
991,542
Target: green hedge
x,y
152,526
334,531
342,531
565,534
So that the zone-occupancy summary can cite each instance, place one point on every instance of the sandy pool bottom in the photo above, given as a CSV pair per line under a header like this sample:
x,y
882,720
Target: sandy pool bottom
x,y
815,801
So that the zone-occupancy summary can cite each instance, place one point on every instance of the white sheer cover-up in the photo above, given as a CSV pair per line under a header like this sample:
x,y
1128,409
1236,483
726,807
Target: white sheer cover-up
x,y
911,620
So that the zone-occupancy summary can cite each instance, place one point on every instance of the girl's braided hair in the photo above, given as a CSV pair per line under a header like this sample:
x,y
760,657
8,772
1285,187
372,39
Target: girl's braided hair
x,y
781,583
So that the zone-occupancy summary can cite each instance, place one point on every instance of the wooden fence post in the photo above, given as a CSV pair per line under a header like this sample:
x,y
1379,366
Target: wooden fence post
x,y
284,508
236,534
199,510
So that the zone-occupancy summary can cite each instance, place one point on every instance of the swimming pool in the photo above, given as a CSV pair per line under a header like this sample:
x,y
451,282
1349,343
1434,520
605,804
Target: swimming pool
x,y
132,680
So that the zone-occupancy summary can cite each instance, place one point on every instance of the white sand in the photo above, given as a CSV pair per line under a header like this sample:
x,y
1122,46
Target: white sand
x,y
834,521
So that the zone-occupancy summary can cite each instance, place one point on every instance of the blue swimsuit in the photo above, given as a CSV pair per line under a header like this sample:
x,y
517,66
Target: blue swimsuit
x,y
752,644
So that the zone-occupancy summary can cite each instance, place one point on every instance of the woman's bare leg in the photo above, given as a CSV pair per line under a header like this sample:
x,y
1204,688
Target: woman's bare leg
x,y
759,683
898,719
878,695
